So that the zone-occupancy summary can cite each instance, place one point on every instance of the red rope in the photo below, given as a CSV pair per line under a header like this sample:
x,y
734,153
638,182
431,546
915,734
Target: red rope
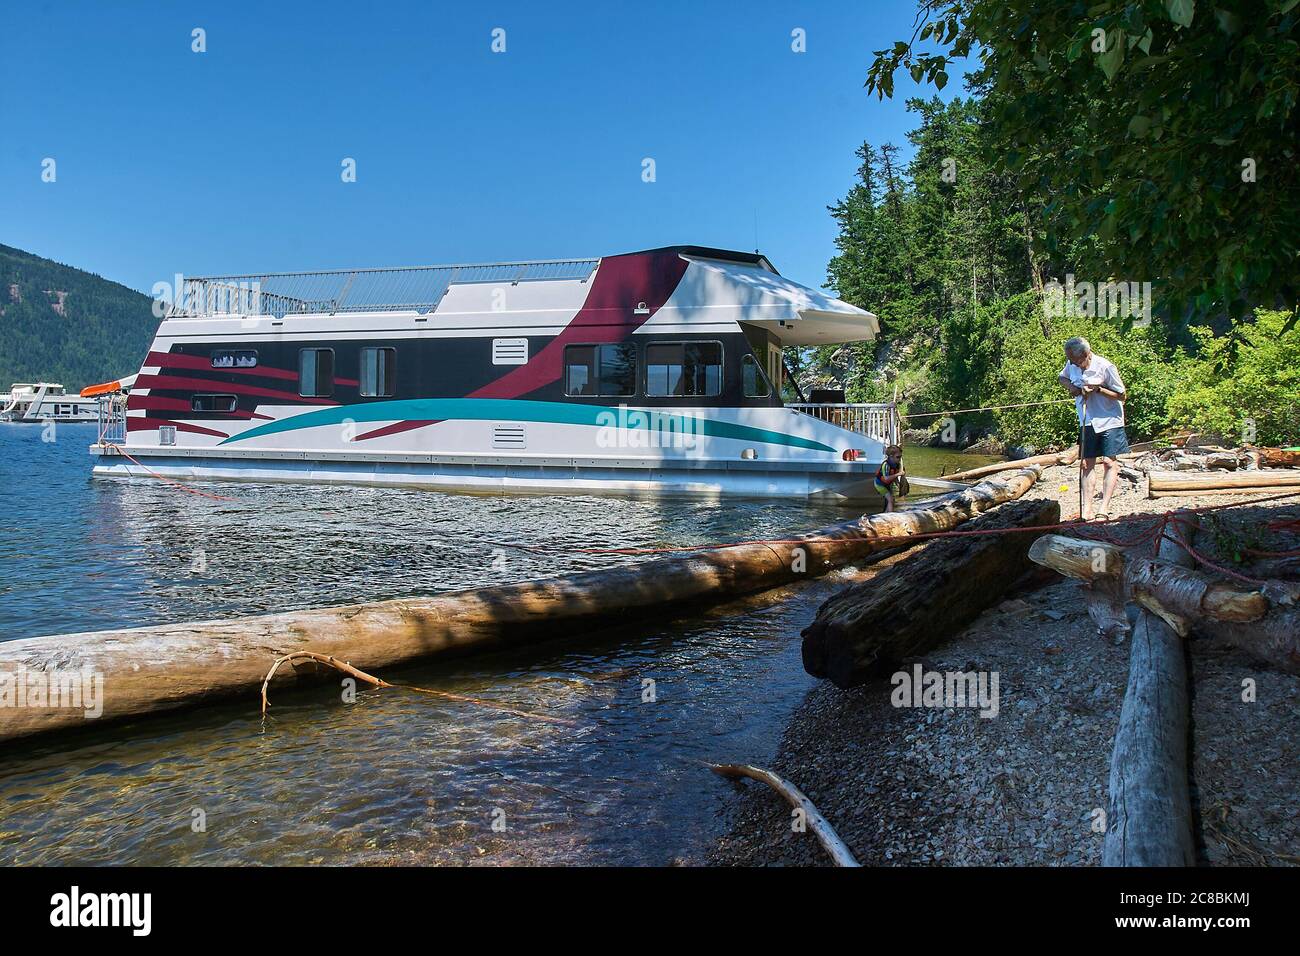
x,y
171,481
1149,536
1144,537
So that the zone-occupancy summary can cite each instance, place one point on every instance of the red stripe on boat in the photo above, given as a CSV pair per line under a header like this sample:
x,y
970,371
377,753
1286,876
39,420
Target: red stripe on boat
x,y
608,315
134,424
160,404
207,385
197,362
397,428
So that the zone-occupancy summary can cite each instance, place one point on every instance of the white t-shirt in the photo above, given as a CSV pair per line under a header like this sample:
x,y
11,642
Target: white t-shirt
x,y
1100,411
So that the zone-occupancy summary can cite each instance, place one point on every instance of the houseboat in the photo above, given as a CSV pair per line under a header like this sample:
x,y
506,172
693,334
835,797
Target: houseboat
x,y
46,401
655,372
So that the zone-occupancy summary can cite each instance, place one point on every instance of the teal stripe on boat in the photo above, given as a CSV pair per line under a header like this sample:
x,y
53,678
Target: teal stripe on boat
x,y
509,409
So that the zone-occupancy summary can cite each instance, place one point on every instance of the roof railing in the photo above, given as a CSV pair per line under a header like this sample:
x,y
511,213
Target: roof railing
x,y
400,289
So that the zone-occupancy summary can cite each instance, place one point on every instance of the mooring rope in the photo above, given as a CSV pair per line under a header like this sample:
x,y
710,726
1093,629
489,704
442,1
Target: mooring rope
x,y
171,481
987,408
1146,537
1142,538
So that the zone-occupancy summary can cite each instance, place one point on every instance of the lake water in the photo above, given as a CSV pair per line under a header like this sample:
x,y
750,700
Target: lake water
x,y
392,777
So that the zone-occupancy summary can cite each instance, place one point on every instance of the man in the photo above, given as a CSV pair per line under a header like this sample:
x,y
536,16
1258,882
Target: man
x,y
1099,399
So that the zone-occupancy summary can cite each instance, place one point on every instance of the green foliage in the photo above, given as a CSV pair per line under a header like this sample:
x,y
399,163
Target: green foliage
x,y
105,331
1252,388
921,248
1130,140
1161,135
1233,538
873,264
972,348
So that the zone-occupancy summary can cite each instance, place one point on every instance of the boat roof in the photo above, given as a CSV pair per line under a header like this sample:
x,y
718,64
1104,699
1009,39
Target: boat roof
x,y
745,282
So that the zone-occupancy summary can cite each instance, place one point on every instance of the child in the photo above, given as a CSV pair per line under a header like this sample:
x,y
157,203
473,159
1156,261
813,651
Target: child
x,y
890,480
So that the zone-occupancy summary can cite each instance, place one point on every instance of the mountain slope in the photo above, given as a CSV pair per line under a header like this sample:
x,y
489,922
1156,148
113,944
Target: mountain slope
x,y
60,324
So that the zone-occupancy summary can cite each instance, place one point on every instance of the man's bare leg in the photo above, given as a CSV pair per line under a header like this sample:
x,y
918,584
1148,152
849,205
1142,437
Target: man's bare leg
x,y
1089,466
1110,470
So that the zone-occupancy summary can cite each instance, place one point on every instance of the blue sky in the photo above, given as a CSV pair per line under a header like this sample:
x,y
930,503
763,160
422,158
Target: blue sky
x,y
229,161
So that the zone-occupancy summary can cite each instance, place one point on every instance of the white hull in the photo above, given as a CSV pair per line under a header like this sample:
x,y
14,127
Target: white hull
x,y
841,482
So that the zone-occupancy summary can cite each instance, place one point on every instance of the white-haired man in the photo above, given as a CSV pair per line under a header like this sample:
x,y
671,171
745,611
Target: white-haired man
x,y
1099,396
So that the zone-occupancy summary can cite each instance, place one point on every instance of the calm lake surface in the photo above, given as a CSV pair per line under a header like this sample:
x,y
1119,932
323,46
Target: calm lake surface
x,y
393,777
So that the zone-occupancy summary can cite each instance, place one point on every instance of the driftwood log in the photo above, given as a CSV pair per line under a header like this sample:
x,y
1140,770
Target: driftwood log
x,y
867,629
1262,621
1162,484
155,669
825,833
1274,457
1150,818
1067,457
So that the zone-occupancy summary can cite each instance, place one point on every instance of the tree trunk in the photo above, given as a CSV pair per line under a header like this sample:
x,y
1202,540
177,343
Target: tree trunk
x,y
1277,481
1263,622
867,629
1275,457
1150,819
153,669
1067,457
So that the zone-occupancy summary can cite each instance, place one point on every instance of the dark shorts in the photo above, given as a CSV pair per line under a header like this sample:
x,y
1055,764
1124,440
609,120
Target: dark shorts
x,y
1108,444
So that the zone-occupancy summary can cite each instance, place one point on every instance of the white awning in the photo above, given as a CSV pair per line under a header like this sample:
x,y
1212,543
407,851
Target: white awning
x,y
794,313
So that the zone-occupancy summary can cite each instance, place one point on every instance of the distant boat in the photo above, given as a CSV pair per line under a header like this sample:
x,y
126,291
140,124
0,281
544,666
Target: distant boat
x,y
655,372
46,401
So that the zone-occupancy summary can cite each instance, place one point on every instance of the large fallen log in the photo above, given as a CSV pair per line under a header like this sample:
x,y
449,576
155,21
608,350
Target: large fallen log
x,y
1273,481
867,629
154,669
1067,457
1150,817
1264,621
1274,457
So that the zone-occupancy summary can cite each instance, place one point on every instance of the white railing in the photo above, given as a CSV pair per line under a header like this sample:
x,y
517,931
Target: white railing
x,y
414,288
880,422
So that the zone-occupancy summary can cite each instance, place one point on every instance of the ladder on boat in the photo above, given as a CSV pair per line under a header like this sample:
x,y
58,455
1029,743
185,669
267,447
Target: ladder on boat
x,y
112,419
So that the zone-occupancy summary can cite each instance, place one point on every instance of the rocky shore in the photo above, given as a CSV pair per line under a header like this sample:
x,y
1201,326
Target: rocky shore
x,y
947,786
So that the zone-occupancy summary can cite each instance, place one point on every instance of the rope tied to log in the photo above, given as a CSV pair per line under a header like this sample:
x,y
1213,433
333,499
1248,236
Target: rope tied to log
x,y
346,668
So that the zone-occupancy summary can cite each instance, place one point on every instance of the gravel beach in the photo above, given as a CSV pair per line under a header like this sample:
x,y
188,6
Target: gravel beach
x,y
920,786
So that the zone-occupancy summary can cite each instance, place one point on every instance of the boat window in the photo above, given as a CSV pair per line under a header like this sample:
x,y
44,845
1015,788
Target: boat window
x,y
316,373
213,403
683,368
239,358
603,370
379,373
755,379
